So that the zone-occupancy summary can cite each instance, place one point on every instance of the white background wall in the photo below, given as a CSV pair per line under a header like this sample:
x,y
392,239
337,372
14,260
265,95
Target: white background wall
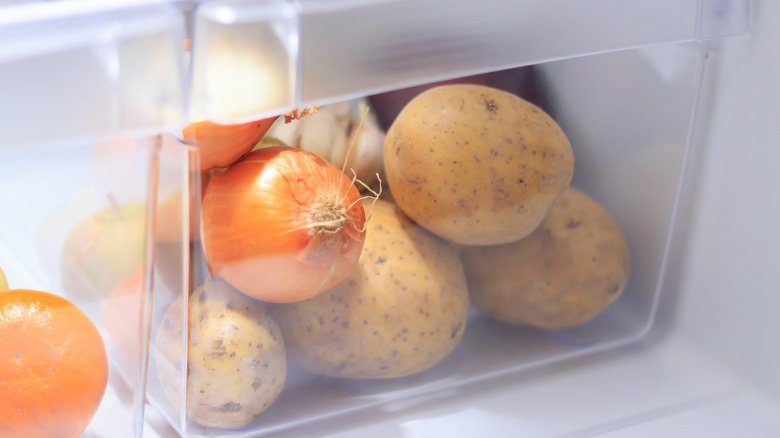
x,y
730,301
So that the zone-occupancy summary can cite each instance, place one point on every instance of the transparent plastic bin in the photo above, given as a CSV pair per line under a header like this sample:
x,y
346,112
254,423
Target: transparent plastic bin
x,y
85,92
625,80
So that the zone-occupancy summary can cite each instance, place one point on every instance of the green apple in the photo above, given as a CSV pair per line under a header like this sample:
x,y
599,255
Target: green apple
x,y
102,250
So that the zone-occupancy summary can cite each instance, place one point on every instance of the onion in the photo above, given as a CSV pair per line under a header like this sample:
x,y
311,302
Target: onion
x,y
222,145
282,225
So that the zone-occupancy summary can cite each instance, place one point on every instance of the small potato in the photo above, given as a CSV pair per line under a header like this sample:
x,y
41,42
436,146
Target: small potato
x,y
237,364
401,311
565,273
476,165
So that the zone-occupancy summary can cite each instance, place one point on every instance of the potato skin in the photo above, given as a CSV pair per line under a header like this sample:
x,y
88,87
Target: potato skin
x,y
565,273
401,311
237,363
476,165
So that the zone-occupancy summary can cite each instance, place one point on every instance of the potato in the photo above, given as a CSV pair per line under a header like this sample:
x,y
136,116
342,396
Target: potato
x,y
476,165
401,311
237,364
565,273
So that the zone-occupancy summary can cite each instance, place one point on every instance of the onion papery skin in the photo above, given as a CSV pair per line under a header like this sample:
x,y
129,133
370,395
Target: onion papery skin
x,y
222,145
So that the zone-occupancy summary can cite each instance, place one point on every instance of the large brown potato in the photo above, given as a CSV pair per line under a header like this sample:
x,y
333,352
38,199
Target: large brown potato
x,y
401,311
476,165
565,273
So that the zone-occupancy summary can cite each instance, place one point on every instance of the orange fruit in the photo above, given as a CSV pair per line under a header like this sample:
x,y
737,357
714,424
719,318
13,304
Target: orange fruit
x,y
53,366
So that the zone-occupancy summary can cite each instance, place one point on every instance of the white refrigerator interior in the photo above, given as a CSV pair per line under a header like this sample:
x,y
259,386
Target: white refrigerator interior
x,y
672,108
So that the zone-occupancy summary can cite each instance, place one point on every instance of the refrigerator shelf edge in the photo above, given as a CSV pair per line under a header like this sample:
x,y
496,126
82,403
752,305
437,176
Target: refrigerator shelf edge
x,y
92,75
351,48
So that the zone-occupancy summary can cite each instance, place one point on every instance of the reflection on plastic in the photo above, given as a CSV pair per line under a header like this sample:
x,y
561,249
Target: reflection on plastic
x,y
564,338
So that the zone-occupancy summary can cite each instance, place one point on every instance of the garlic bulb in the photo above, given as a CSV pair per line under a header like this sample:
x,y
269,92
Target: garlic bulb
x,y
344,133
322,134
366,155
